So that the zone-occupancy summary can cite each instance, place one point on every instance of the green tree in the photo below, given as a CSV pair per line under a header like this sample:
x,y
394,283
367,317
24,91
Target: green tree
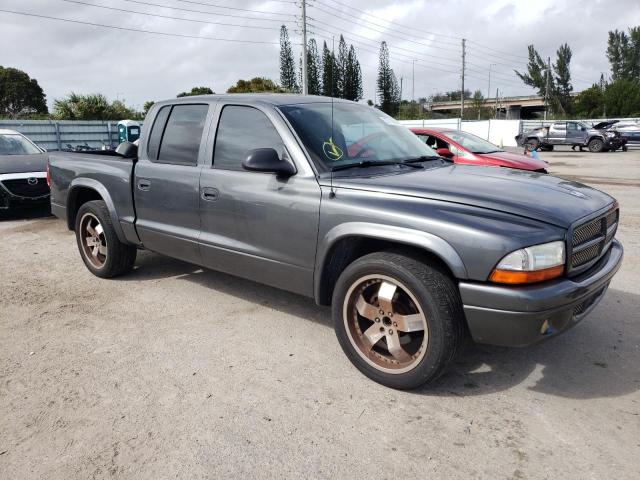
x,y
562,81
353,77
622,98
388,91
314,69
342,66
477,104
256,85
588,103
329,72
196,91
20,94
623,53
146,107
537,72
288,78
91,107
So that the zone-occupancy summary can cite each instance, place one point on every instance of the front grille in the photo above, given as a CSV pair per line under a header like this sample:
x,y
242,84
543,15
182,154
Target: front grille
x,y
22,188
592,239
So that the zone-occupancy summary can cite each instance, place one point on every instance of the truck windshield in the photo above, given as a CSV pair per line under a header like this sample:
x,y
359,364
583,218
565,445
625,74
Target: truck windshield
x,y
472,143
341,134
17,145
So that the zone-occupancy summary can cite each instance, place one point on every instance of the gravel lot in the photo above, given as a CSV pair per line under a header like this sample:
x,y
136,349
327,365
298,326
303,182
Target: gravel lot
x,y
176,372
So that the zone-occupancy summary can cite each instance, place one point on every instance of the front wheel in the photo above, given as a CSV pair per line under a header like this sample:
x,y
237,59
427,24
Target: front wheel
x,y
398,320
596,145
100,248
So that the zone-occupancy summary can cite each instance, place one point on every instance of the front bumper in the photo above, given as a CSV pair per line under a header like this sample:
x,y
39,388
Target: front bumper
x,y
520,316
615,143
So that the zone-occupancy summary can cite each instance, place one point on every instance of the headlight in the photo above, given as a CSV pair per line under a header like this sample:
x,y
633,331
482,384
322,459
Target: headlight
x,y
531,264
611,134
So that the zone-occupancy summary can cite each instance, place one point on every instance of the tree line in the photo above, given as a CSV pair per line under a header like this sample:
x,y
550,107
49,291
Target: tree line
x,y
617,94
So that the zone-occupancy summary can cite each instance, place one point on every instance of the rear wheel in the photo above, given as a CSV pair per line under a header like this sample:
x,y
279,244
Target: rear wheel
x,y
397,319
596,145
101,250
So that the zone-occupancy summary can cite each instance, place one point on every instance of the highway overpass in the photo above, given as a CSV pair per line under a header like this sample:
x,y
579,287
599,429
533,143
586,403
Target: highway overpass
x,y
505,107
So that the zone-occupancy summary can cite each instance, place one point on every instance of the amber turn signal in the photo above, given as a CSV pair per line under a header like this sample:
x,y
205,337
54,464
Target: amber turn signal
x,y
516,277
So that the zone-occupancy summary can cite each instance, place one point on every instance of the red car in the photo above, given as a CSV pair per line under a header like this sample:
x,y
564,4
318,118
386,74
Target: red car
x,y
463,147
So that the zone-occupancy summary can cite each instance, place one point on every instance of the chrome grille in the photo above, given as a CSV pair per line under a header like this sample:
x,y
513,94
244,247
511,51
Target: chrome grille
x,y
591,240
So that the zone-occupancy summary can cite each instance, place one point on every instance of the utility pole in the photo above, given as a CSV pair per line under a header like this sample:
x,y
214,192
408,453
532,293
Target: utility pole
x,y
305,83
462,91
496,112
546,88
400,89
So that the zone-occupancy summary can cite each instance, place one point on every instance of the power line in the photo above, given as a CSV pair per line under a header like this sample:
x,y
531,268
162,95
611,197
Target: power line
x,y
138,30
388,21
235,8
159,5
169,17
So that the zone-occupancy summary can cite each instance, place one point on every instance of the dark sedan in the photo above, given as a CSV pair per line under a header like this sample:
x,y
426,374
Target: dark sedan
x,y
23,172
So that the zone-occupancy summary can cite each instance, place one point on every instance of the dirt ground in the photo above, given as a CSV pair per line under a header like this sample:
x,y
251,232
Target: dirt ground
x,y
176,372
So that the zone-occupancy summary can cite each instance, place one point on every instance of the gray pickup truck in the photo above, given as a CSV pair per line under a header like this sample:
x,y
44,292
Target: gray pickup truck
x,y
574,134
336,201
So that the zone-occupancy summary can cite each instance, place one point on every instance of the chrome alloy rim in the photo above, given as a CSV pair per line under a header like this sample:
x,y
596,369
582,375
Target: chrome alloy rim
x,y
93,240
385,324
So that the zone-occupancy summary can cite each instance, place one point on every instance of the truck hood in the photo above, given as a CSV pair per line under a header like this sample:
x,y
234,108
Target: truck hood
x,y
23,163
528,194
513,160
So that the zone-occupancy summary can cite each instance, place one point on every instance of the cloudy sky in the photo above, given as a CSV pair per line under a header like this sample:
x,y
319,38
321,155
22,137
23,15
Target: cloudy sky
x,y
191,47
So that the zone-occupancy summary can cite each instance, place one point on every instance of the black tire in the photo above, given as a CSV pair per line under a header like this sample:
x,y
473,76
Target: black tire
x,y
118,258
438,298
596,145
531,144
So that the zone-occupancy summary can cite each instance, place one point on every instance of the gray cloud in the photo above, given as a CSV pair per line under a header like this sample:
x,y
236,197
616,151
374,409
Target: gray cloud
x,y
68,57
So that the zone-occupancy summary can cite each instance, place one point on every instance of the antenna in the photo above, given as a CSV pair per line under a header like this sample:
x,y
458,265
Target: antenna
x,y
332,192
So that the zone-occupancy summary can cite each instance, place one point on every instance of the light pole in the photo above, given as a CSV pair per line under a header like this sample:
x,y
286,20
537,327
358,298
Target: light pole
x,y
413,83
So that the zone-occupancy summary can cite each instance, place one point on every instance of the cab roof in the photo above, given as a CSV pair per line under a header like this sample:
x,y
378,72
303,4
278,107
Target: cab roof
x,y
274,99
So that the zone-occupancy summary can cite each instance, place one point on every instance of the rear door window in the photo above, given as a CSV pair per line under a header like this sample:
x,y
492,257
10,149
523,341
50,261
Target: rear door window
x,y
240,130
183,134
153,147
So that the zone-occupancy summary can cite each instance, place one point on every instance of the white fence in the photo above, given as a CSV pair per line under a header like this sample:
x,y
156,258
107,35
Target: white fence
x,y
498,132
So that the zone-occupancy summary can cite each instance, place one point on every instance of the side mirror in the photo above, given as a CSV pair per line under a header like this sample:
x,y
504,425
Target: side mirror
x,y
584,129
444,152
267,160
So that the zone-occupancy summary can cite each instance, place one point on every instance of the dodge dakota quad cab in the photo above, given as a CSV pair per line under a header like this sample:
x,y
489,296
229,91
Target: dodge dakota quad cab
x,y
575,134
409,249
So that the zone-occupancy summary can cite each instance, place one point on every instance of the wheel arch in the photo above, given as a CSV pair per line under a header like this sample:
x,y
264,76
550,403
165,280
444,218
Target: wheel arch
x,y
348,242
83,190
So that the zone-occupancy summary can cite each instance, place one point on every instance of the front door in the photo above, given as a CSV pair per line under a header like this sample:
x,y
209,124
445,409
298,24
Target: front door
x,y
575,134
167,180
257,225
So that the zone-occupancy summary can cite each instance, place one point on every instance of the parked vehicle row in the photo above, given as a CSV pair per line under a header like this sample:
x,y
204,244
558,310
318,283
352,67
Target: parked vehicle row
x,y
337,201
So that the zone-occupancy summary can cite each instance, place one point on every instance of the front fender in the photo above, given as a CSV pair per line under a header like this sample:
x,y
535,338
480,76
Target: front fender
x,y
415,238
83,182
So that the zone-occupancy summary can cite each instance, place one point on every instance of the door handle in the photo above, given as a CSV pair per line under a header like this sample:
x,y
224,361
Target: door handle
x,y
209,194
144,184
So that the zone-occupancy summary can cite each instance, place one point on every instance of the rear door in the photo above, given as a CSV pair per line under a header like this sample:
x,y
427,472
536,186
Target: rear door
x,y
558,133
254,224
167,179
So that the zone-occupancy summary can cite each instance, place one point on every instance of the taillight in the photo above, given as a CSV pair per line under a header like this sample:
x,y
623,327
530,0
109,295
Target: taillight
x,y
48,176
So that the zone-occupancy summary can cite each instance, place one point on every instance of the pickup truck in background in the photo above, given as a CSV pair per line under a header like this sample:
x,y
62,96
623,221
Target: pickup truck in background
x,y
335,200
574,134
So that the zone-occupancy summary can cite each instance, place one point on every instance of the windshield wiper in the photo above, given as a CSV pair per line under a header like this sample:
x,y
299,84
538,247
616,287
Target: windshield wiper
x,y
486,153
370,163
422,158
